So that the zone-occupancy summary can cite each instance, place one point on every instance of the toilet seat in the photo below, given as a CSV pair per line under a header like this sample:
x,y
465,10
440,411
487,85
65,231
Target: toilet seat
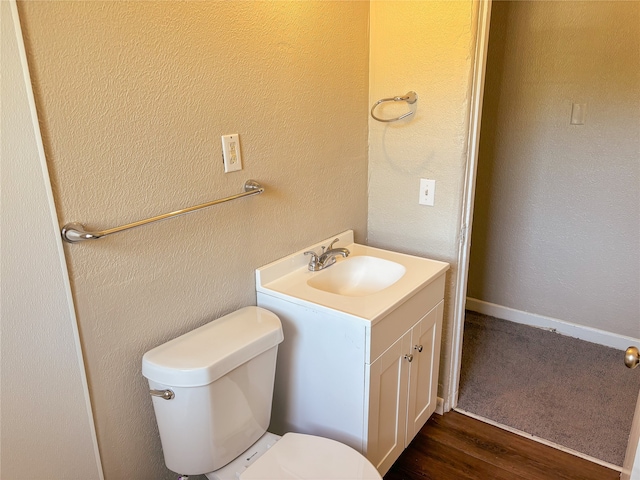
x,y
299,456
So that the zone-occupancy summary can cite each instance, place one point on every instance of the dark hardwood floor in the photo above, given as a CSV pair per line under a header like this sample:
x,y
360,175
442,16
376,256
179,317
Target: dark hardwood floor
x,y
455,446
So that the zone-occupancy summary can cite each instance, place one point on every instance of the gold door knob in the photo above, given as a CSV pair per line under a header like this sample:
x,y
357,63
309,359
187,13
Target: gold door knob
x,y
632,357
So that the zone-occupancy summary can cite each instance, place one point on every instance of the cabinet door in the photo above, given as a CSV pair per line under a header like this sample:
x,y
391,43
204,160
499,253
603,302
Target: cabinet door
x,y
423,381
388,387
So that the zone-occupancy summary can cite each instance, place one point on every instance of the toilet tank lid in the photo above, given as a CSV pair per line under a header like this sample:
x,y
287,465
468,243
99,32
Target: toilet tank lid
x,y
207,353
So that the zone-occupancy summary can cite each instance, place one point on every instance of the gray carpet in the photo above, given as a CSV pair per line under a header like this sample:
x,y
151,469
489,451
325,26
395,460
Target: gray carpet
x,y
568,391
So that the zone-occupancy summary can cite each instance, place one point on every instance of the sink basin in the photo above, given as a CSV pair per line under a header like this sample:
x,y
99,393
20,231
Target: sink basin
x,y
366,285
358,276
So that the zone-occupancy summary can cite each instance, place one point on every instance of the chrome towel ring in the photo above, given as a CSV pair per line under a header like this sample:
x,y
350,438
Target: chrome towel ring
x,y
410,98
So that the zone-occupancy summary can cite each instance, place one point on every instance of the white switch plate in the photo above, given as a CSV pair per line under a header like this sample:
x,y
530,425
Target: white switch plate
x,y
578,113
231,153
427,192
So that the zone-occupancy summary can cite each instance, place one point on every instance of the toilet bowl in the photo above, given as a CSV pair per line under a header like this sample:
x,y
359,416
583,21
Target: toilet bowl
x,y
212,392
297,456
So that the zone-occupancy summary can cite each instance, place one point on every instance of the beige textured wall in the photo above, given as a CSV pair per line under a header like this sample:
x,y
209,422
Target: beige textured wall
x,y
133,98
44,395
557,219
426,47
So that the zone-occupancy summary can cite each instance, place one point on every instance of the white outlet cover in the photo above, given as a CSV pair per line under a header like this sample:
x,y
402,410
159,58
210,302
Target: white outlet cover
x,y
231,153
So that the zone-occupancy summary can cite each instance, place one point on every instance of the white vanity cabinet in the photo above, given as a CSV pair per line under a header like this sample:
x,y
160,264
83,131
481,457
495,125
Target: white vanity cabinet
x,y
369,383
402,389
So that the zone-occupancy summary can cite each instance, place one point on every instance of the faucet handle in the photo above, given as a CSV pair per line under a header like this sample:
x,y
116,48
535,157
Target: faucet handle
x,y
332,243
314,263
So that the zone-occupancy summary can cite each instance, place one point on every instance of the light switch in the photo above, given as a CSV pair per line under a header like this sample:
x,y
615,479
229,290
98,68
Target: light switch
x,y
427,192
578,112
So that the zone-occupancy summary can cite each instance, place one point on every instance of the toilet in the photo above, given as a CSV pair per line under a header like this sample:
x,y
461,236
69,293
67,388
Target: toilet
x,y
212,390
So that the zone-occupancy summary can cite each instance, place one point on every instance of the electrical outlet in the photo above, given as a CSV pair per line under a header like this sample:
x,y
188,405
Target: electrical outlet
x,y
427,192
231,153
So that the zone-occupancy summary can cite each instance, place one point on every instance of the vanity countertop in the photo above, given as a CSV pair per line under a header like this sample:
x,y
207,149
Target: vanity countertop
x,y
288,278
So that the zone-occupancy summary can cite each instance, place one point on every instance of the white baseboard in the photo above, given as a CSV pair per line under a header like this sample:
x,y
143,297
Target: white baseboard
x,y
440,406
593,335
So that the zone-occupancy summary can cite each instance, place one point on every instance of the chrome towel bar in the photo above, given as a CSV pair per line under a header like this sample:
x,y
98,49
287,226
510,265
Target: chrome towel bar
x,y
75,232
410,98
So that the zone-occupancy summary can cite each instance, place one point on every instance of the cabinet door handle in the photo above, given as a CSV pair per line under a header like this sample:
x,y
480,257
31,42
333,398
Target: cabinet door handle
x,y
418,347
408,357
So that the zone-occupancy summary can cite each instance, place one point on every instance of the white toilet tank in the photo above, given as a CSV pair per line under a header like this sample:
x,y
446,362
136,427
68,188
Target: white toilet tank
x,y
221,375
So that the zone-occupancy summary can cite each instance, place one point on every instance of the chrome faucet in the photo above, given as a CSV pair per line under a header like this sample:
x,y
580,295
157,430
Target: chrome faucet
x,y
327,257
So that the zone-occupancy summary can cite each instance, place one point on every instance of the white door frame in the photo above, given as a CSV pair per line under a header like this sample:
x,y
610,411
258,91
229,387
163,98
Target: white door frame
x,y
631,465
482,13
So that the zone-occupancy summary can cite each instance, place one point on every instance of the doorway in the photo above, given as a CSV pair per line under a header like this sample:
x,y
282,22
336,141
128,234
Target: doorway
x,y
556,218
